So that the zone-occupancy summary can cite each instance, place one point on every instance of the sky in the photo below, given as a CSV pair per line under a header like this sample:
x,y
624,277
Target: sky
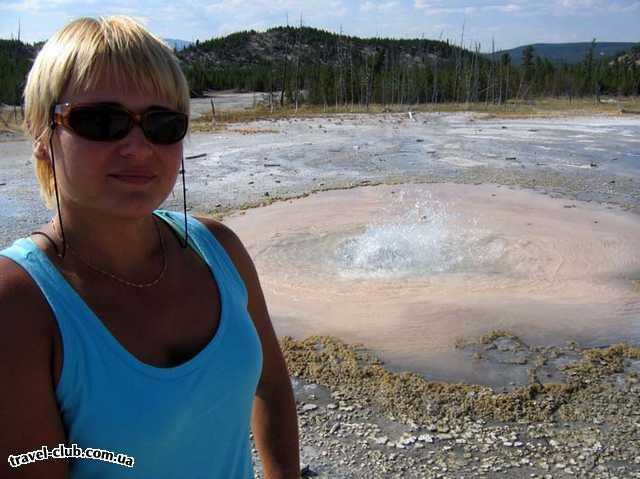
x,y
508,23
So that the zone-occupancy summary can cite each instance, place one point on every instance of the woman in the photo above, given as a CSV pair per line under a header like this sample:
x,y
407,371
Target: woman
x,y
131,330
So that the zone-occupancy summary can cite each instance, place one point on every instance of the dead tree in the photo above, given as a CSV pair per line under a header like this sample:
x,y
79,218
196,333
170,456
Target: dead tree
x,y
297,48
284,66
459,66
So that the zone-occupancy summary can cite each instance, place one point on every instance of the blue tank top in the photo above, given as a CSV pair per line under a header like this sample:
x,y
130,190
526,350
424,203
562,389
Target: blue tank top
x,y
192,420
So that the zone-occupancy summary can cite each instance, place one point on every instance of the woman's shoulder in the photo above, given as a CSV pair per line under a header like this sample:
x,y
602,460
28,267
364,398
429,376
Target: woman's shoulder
x,y
232,244
222,232
26,365
24,312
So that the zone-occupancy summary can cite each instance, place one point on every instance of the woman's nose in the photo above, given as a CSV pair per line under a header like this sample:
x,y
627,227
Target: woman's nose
x,y
135,143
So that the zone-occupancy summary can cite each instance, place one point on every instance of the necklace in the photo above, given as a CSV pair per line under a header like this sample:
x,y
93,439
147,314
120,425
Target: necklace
x,y
113,276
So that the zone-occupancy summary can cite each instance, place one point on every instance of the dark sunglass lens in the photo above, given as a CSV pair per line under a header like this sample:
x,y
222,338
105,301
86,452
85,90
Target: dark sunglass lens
x,y
165,127
100,123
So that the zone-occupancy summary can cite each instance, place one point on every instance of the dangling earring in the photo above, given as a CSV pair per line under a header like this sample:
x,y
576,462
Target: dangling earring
x,y
184,203
55,182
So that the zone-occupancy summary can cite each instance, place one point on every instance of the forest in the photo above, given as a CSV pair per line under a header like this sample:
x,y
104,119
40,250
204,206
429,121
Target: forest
x,y
307,65
15,61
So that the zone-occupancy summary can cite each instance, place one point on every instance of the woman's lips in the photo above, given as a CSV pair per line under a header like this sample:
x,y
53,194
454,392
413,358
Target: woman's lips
x,y
134,179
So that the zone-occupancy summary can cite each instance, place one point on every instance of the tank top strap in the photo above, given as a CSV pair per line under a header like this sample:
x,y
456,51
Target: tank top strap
x,y
206,244
26,254
66,305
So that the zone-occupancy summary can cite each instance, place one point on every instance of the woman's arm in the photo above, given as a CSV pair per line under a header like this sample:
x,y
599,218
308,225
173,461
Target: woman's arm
x,y
29,414
274,420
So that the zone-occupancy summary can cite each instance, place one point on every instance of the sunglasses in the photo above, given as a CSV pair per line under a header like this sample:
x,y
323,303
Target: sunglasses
x,y
112,122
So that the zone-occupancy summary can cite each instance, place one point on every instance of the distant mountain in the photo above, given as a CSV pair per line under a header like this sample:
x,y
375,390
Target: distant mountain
x,y
570,53
309,46
177,44
340,69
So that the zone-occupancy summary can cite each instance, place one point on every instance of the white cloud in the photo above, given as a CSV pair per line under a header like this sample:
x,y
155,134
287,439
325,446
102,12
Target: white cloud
x,y
203,19
370,6
268,10
575,4
437,8
509,8
593,7
620,8
431,9
41,6
24,6
226,5
146,21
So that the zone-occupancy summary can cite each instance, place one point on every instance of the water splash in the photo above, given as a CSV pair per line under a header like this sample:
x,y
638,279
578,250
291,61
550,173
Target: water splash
x,y
426,239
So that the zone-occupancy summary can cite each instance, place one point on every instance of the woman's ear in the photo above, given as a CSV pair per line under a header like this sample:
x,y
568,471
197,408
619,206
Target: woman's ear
x,y
41,152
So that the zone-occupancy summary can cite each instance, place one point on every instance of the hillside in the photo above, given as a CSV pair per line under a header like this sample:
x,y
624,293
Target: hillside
x,y
570,53
309,65
310,46
329,66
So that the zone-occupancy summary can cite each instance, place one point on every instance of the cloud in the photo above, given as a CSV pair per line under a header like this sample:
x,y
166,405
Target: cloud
x,y
146,21
484,19
370,6
509,8
270,11
435,8
575,4
431,9
557,8
593,7
25,6
618,8
36,6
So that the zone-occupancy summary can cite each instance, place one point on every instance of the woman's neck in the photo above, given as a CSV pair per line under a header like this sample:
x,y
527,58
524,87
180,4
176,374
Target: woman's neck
x,y
129,248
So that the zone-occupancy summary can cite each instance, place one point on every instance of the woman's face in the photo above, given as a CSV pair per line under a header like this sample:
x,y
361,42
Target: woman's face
x,y
126,178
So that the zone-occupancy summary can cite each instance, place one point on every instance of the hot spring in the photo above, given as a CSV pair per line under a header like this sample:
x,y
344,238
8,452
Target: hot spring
x,y
407,270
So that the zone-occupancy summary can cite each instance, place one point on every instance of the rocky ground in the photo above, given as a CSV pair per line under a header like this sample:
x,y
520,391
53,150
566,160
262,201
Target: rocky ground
x,y
579,416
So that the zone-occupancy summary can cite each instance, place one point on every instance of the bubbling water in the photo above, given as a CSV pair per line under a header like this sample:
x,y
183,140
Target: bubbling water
x,y
408,270
426,239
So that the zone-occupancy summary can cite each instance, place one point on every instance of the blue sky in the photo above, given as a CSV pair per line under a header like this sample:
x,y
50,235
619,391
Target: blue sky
x,y
512,22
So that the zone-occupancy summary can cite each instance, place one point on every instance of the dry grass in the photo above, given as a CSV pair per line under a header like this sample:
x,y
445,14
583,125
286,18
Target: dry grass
x,y
10,120
562,107
548,107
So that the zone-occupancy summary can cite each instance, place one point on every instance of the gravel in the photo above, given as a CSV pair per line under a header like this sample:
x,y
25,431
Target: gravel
x,y
358,420
579,414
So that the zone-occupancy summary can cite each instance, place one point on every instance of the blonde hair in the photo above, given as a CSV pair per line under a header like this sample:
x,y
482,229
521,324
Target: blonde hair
x,y
82,53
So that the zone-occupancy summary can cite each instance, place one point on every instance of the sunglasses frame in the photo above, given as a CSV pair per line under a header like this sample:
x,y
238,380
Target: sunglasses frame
x,y
61,112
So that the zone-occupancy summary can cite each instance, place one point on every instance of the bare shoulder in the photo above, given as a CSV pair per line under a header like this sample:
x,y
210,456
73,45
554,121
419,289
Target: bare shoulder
x,y
25,317
231,243
29,413
21,298
221,231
